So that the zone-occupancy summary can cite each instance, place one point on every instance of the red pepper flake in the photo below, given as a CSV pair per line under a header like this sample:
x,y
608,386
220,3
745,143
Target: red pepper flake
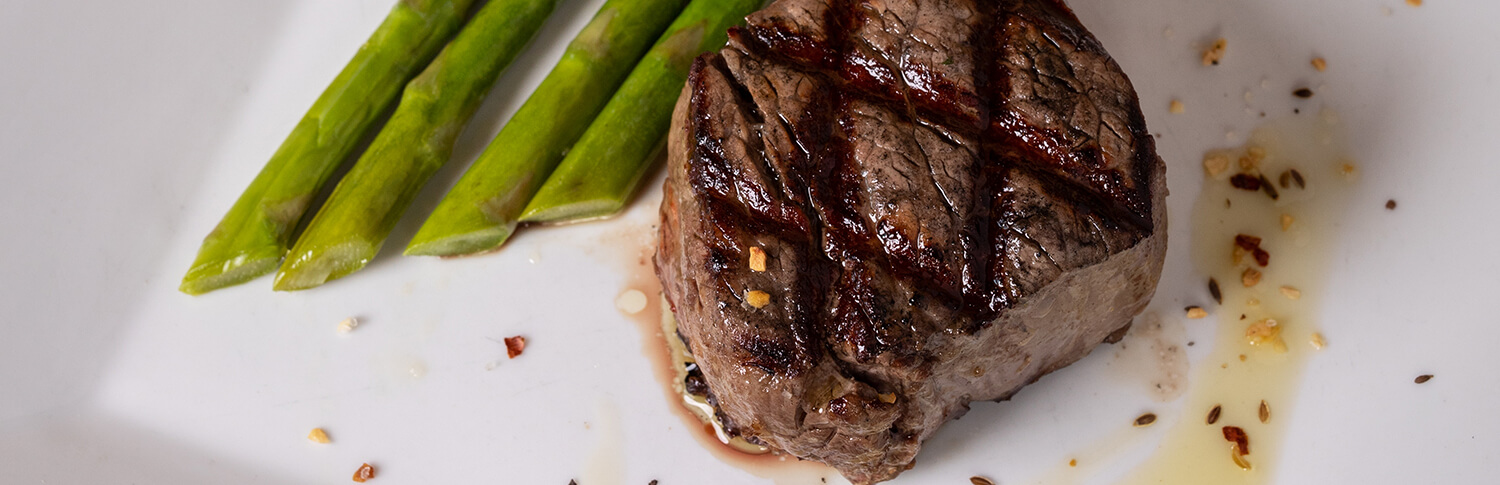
x,y
1252,244
1237,435
365,472
515,345
1245,181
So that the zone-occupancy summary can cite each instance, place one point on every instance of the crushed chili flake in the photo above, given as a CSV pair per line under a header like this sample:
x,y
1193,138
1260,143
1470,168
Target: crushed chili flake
x,y
514,346
1237,436
365,472
1244,181
1215,52
1348,170
1251,244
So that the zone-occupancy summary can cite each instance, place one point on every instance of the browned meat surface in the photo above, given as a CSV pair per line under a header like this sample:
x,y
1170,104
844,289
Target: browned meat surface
x,y
955,198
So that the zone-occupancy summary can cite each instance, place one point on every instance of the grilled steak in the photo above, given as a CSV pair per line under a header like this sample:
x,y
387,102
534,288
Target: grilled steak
x,y
953,198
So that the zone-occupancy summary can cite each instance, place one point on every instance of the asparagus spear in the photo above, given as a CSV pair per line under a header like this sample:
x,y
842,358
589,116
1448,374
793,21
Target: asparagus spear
x,y
602,171
252,238
350,228
479,213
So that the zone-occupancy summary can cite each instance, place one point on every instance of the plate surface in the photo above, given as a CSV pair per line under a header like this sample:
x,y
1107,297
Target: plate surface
x,y
127,128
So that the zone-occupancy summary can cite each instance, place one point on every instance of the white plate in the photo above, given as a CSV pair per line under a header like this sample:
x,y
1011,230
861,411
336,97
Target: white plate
x,y
127,128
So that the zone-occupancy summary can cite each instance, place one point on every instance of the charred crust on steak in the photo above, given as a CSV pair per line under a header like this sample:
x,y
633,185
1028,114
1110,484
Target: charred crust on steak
x,y
956,197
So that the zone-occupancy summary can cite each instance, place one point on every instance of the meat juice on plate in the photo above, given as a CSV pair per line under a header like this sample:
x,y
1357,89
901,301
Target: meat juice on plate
x,y
1267,324
669,358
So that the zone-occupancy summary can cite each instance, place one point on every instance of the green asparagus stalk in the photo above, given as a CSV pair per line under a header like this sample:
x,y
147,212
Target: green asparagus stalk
x,y
350,228
480,212
253,237
602,170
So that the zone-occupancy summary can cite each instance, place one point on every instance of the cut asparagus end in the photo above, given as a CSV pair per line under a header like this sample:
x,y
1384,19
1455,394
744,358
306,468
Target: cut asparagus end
x,y
220,273
311,268
462,244
575,211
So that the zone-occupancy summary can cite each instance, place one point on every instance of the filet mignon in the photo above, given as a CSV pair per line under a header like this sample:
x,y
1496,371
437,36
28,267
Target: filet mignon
x,y
953,197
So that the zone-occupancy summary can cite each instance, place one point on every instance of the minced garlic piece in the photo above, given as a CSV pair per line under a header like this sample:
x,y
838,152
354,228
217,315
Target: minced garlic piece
x,y
317,435
757,259
1286,222
1195,312
1250,277
348,325
1317,341
1263,331
1319,64
1214,53
757,298
1291,293
1215,164
1176,107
